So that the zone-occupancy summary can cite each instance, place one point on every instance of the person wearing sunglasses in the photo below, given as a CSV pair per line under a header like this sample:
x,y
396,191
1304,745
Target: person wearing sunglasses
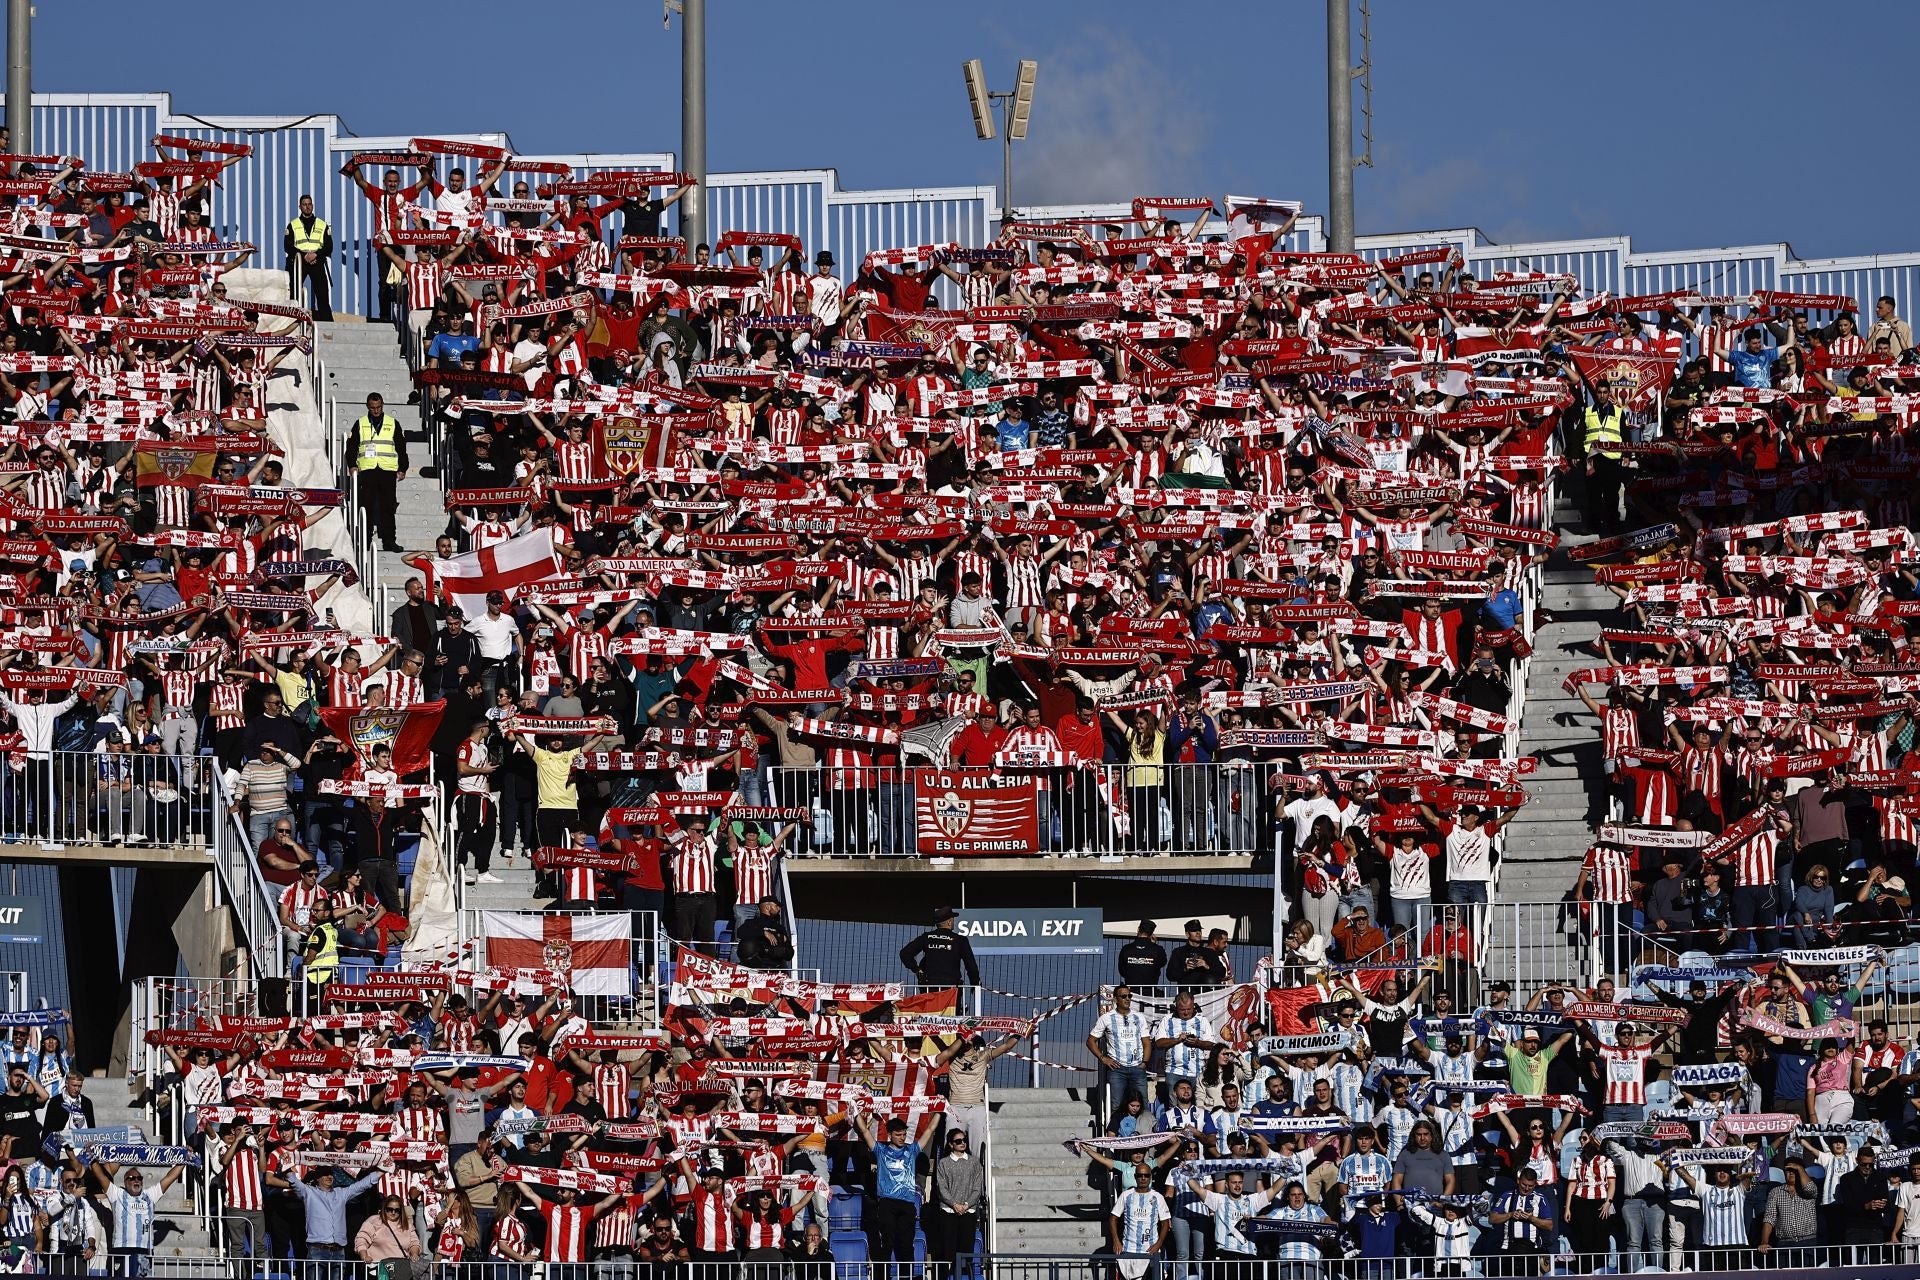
x,y
959,1187
388,1236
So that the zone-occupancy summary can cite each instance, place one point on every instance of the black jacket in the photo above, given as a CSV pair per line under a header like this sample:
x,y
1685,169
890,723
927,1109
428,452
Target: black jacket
x,y
1141,963
1192,966
939,958
764,943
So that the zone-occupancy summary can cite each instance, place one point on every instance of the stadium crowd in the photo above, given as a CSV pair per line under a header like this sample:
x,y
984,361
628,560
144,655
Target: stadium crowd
x,y
1227,547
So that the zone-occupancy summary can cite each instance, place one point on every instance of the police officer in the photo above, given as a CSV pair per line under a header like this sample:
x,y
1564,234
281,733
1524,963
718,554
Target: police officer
x,y
1194,964
938,957
377,448
309,247
1142,959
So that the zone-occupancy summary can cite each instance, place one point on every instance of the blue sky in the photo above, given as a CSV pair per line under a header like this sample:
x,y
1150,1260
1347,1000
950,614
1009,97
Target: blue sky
x,y
1686,126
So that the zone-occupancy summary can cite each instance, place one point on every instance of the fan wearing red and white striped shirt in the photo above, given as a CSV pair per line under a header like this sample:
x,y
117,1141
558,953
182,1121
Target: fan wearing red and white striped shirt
x,y
1623,1069
567,1225
693,860
1606,875
710,1213
240,1183
753,869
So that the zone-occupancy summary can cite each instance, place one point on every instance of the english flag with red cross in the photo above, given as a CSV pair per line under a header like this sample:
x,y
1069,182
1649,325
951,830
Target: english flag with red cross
x,y
506,567
594,951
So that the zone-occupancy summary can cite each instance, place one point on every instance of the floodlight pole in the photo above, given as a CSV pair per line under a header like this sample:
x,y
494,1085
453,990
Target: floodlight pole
x,y
1339,129
20,76
693,120
1005,103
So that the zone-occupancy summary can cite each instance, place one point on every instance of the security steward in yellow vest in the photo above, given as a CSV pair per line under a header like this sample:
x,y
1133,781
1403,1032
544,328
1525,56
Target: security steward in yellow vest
x,y
1603,428
377,451
309,247
320,955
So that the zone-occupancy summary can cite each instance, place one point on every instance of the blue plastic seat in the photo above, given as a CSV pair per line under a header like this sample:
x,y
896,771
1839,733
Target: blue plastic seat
x,y
848,1246
1902,971
844,1209
353,970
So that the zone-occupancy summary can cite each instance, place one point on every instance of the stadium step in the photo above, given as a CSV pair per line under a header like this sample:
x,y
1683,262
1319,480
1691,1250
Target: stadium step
x,y
1548,837
1042,1201
178,1231
366,358
515,892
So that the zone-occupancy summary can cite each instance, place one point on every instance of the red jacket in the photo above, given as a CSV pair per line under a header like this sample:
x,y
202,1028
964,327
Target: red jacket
x,y
1082,741
976,746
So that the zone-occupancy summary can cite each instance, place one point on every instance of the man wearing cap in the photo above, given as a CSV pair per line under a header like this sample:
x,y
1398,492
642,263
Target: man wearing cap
x,y
979,742
710,1214
1790,1223
941,957
326,1208
826,296
1193,964
1143,960
967,1061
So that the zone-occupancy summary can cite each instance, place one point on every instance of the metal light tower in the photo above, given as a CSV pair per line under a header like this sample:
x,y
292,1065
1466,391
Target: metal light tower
x,y
20,75
1015,106
693,114
1341,73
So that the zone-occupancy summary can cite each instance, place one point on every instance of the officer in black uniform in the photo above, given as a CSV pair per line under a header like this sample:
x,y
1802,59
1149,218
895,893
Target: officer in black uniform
x,y
1193,964
1142,959
939,957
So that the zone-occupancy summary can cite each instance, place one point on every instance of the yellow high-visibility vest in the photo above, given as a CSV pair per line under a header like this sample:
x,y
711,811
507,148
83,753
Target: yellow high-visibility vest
x,y
308,239
320,968
1603,432
378,451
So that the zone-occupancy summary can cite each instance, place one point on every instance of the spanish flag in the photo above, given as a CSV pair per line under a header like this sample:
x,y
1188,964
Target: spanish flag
x,y
187,463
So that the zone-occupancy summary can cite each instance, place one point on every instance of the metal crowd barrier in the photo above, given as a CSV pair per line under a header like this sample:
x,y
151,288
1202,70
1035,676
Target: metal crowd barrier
x,y
1108,810
1889,1261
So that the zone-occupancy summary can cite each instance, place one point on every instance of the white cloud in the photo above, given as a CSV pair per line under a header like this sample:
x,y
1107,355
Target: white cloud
x,y
1108,124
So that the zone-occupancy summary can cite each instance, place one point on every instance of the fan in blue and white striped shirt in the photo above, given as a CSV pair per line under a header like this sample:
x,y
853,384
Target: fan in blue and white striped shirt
x,y
134,1204
1295,1208
1230,1209
1723,1206
1515,1213
1140,1218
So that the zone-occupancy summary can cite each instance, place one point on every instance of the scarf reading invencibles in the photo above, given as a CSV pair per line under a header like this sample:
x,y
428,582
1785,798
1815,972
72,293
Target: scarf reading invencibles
x,y
1709,1155
1833,956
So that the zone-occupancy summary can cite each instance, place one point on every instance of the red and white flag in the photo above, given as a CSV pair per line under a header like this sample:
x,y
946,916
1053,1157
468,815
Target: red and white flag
x,y
507,567
593,951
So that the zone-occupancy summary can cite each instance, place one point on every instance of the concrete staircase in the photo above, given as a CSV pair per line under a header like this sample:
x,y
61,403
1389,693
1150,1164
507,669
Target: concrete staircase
x,y
515,892
364,357
178,1232
1549,836
1044,1201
